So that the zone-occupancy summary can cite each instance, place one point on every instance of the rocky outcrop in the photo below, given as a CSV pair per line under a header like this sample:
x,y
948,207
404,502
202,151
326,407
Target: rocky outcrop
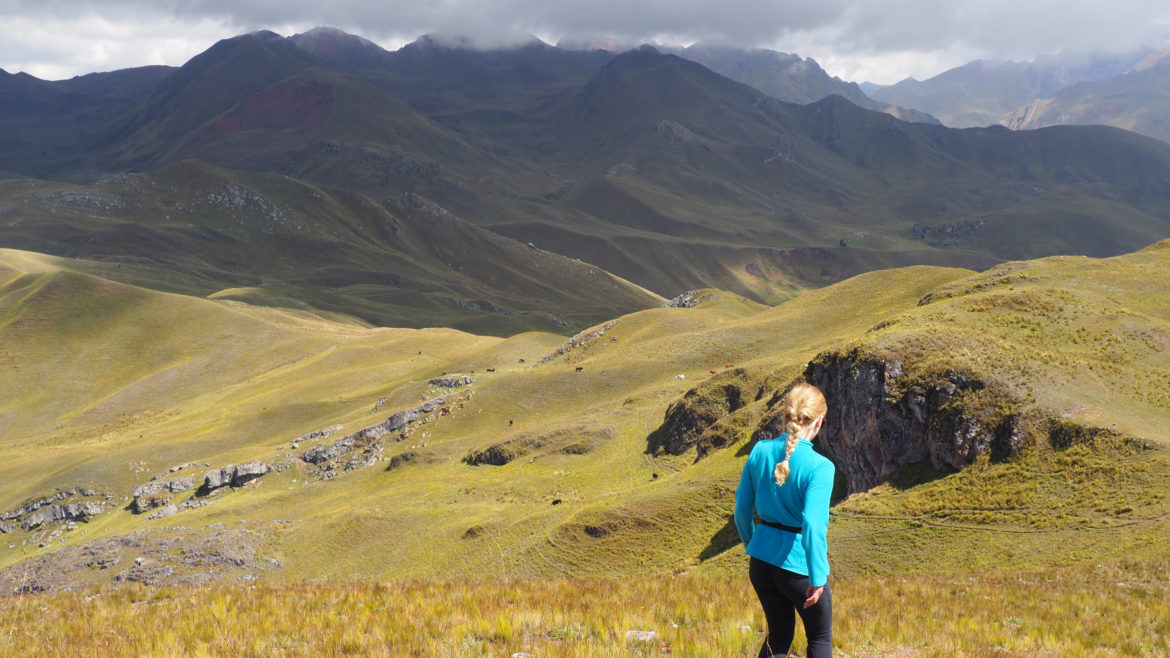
x,y
452,381
954,233
231,476
688,299
348,443
364,447
178,557
316,434
580,341
880,420
80,511
43,510
157,493
688,420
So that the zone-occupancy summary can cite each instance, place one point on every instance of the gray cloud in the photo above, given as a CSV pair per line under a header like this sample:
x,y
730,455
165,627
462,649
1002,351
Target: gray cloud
x,y
849,37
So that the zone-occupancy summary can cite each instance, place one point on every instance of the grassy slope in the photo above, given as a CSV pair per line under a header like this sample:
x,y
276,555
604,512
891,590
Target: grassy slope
x,y
141,381
272,240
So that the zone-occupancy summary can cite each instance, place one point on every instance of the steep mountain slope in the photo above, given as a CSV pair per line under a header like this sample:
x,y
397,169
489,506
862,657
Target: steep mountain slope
x,y
650,166
983,93
53,129
402,261
788,78
963,404
1134,101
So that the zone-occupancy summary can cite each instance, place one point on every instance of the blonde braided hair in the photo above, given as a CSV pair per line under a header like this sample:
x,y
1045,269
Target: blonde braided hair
x,y
803,405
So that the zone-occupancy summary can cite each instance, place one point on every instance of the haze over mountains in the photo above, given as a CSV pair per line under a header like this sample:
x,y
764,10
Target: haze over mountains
x,y
1125,90
643,164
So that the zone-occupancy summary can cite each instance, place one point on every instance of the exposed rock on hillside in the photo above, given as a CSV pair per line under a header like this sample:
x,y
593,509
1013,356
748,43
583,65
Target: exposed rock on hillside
x,y
364,447
580,341
452,381
688,299
232,475
879,420
187,558
49,509
157,493
688,420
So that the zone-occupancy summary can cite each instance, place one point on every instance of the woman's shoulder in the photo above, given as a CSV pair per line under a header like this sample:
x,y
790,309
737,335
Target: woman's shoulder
x,y
768,446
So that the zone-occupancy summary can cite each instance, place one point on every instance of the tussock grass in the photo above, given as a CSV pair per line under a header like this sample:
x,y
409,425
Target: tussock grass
x,y
1108,610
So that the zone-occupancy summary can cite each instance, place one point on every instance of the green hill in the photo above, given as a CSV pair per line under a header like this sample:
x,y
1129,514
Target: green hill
x,y
1025,403
274,240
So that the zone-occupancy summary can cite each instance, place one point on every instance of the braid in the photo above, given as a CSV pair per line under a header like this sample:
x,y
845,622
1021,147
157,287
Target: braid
x,y
781,472
803,404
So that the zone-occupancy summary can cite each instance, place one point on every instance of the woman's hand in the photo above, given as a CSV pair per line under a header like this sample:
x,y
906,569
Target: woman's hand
x,y
814,595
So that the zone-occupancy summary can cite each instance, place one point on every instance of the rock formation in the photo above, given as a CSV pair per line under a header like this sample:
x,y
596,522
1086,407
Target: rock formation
x,y
878,423
157,493
50,509
233,476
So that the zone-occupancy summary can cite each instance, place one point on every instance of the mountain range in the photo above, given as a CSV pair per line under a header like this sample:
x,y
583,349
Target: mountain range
x,y
1134,101
642,164
1125,90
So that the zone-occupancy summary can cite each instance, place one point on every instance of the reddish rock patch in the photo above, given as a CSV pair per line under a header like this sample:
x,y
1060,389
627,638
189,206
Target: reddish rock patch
x,y
286,106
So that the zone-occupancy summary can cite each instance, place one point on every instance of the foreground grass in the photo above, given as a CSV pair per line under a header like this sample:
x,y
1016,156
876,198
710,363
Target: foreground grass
x,y
1108,610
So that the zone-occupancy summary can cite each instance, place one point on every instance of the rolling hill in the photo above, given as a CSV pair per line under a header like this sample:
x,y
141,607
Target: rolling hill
x,y
1025,403
269,239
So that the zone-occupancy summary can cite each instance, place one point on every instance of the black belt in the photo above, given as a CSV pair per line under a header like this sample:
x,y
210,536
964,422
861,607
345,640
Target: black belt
x,y
781,526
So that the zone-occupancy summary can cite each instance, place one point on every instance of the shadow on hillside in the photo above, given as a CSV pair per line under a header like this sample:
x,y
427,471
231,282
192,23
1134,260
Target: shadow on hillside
x,y
727,537
912,475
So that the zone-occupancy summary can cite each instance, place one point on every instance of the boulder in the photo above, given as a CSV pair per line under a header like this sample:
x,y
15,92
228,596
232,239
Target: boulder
x,y
177,485
214,479
169,510
233,475
248,472
81,511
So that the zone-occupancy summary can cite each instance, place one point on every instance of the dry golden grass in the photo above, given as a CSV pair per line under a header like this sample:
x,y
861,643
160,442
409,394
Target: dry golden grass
x,y
1101,611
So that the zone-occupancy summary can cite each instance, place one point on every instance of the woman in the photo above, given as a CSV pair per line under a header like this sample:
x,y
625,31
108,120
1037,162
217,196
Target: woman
x,y
788,485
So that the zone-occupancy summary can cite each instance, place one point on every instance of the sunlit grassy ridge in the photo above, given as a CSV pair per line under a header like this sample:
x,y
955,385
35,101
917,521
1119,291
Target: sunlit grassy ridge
x,y
143,381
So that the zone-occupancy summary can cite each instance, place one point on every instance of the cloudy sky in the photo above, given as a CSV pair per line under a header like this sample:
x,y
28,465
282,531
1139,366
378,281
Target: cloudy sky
x,y
857,40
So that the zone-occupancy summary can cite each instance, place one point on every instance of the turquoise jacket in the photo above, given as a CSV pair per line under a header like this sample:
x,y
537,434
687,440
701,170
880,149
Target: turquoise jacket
x,y
803,502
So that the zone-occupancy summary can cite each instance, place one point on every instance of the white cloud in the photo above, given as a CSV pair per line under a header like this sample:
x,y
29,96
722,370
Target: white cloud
x,y
854,39
54,49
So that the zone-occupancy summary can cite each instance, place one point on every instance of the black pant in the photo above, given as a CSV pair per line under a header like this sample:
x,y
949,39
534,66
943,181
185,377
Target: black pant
x,y
782,593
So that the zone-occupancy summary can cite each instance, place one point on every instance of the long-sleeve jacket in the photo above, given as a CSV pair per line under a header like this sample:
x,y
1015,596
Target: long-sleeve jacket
x,y
802,502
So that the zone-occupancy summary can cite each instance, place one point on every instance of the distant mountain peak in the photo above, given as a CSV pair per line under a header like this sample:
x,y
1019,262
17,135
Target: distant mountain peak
x,y
446,41
327,34
267,35
329,43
